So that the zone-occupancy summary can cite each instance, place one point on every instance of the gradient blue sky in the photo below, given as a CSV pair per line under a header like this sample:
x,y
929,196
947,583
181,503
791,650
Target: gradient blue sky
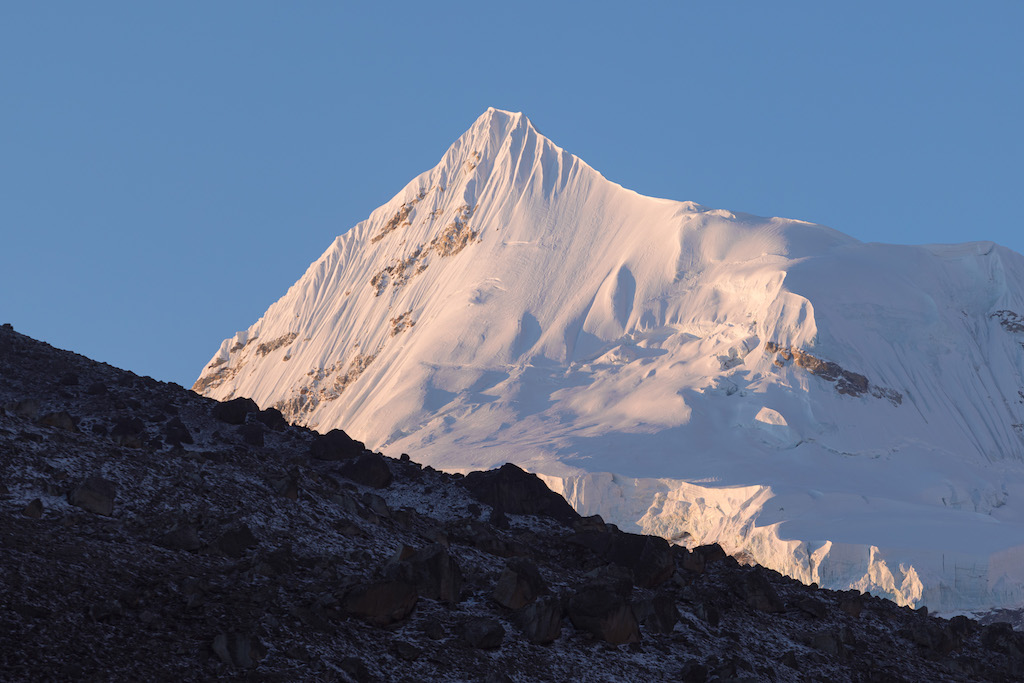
x,y
168,170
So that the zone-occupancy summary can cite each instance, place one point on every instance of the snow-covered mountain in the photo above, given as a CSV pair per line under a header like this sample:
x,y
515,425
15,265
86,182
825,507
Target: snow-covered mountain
x,y
846,413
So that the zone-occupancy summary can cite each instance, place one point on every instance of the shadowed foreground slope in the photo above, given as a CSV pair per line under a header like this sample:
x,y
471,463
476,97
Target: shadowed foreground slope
x,y
149,533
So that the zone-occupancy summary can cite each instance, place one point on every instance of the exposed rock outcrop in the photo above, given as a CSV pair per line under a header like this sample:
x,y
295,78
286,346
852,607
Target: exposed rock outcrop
x,y
846,382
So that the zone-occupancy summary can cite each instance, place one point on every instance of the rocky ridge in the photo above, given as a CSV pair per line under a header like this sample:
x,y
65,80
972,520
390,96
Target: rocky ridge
x,y
148,532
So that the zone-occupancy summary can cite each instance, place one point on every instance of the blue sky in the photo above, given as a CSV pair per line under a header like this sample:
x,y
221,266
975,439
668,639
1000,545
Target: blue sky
x,y
168,170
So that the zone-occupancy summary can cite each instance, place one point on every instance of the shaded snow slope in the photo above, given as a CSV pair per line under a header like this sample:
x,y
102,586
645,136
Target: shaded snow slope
x,y
846,413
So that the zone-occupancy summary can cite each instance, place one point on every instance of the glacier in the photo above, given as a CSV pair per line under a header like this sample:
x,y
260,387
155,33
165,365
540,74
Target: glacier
x,y
847,413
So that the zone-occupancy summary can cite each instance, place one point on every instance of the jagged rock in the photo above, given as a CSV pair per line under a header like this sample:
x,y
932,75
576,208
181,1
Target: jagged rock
x,y
930,636
336,445
1001,637
33,510
236,650
483,633
376,505
220,648
482,536
68,379
518,492
58,420
433,629
700,557
852,604
694,672
95,495
735,668
288,486
612,577
432,570
128,432
605,615
382,602
176,433
181,538
96,389
27,408
827,642
406,651
235,542
252,433
650,558
812,606
541,620
657,613
591,523
709,612
369,470
758,592
519,584
234,411
498,519
271,418
356,669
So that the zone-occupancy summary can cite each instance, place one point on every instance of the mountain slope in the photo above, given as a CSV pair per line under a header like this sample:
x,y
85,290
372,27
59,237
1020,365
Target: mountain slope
x,y
846,413
147,533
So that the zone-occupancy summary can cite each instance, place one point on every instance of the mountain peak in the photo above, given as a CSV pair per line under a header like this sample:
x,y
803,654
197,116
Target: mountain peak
x,y
491,129
512,305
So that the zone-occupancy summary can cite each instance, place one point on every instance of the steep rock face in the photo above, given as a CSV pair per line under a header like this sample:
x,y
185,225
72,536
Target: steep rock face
x,y
842,412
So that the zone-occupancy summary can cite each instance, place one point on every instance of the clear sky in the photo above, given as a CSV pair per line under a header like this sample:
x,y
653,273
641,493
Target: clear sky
x,y
168,170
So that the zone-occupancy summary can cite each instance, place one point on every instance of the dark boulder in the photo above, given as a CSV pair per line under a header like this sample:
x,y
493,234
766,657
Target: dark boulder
x,y
613,578
700,557
235,542
852,604
238,650
271,418
759,593
604,614
33,510
483,633
336,445
26,408
518,492
483,536
95,495
369,470
356,669
234,411
181,538
434,573
252,434
541,620
591,523
648,557
176,433
657,613
827,642
380,603
59,420
128,432
520,584
811,606
1001,637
